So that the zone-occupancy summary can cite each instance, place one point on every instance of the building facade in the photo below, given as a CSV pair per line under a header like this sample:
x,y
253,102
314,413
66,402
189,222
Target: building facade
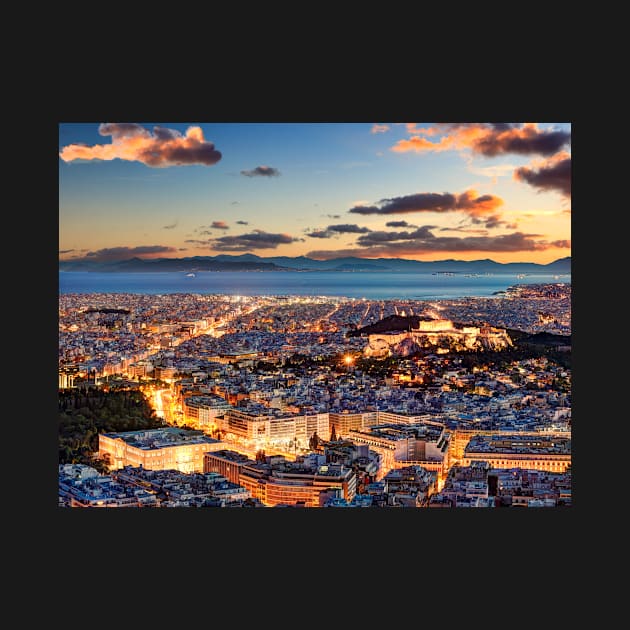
x,y
158,449
268,429
544,453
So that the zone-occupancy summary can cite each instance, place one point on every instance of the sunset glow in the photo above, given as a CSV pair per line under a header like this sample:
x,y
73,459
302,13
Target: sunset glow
x,y
428,191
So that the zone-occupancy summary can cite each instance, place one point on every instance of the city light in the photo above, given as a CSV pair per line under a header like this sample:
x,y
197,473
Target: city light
x,y
270,383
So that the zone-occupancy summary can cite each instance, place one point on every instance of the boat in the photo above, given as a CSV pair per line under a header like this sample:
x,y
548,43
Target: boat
x,y
190,275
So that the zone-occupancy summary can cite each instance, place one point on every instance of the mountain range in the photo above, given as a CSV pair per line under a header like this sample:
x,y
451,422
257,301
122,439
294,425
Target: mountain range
x,y
251,262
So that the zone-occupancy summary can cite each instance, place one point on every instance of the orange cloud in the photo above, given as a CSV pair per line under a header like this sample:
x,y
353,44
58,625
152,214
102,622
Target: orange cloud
x,y
477,205
132,142
380,128
488,139
474,205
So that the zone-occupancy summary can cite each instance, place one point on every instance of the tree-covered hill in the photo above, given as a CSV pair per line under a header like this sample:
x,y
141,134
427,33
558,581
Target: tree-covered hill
x,y
85,414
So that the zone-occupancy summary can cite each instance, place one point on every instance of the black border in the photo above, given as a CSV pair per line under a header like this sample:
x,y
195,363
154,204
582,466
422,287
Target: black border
x,y
300,538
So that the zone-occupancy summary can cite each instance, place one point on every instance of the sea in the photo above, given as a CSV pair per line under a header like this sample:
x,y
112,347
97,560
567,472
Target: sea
x,y
357,284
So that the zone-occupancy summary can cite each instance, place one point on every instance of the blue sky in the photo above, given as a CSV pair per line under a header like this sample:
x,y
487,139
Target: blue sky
x,y
128,189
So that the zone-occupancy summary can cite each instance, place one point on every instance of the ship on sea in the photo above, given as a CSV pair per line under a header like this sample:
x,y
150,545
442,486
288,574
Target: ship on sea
x,y
190,275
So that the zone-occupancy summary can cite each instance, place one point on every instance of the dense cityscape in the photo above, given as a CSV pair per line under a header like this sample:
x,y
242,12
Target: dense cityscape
x,y
294,401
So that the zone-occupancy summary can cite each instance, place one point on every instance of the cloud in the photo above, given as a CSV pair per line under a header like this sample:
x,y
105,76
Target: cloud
x,y
65,251
528,140
332,216
413,129
423,241
340,228
242,222
465,230
258,239
219,225
132,142
378,237
552,174
492,221
123,253
379,128
467,201
348,228
399,224
195,241
182,249
262,171
170,227
487,139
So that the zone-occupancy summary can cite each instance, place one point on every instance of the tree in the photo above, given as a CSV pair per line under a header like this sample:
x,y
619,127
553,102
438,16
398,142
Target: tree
x,y
81,420
333,434
313,442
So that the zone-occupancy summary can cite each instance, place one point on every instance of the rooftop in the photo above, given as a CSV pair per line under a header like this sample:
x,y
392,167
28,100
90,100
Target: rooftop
x,y
161,438
515,444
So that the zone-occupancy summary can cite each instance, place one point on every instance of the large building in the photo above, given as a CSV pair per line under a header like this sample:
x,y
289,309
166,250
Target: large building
x,y
403,445
542,452
278,481
157,449
345,421
225,462
268,427
458,440
202,411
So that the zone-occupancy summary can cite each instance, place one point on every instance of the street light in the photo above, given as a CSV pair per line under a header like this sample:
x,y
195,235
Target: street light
x,y
348,360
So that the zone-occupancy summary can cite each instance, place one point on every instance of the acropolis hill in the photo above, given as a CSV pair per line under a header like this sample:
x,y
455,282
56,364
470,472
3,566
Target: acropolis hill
x,y
442,334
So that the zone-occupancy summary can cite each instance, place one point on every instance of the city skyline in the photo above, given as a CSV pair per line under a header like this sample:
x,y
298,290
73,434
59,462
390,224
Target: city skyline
x,y
423,191
213,400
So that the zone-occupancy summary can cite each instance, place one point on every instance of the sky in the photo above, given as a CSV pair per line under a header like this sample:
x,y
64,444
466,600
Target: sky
x,y
423,191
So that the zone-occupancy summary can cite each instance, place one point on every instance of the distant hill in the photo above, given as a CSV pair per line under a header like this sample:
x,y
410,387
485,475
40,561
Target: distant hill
x,y
251,262
170,264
